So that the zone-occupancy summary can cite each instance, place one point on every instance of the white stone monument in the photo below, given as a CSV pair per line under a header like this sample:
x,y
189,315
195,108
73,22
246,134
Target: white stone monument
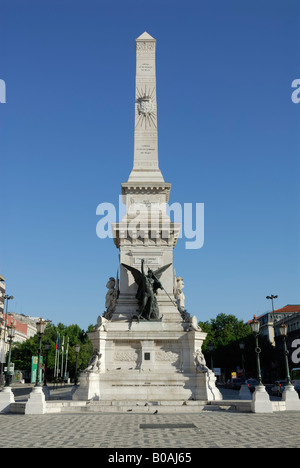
x,y
146,346
6,398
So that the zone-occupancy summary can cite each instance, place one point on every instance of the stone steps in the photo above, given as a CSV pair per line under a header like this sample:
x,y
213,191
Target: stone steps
x,y
125,406
133,407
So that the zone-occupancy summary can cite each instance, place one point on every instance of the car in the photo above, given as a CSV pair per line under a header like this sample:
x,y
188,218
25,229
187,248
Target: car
x,y
278,387
251,383
234,384
295,375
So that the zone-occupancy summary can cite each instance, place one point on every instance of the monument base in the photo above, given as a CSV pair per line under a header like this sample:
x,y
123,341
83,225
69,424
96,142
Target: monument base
x,y
6,398
36,403
260,401
291,398
147,361
244,393
89,388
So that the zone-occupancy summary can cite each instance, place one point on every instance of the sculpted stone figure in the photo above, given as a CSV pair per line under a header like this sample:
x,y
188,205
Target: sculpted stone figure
x,y
180,301
111,297
178,293
200,362
94,364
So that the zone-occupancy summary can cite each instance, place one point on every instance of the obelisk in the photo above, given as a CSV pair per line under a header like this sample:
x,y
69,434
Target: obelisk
x,y
145,164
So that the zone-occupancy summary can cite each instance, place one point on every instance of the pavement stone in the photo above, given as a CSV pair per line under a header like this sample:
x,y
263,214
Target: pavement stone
x,y
207,429
102,430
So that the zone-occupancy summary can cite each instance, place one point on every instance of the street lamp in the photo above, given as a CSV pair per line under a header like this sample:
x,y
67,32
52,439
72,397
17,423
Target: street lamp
x,y
47,349
255,326
290,396
77,349
283,332
40,326
6,298
272,297
2,352
242,347
10,333
260,400
244,393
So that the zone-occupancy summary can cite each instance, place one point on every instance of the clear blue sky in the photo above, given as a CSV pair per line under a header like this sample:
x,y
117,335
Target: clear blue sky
x,y
228,137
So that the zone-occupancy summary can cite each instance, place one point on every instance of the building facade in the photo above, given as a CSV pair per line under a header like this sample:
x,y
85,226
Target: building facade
x,y
270,322
25,328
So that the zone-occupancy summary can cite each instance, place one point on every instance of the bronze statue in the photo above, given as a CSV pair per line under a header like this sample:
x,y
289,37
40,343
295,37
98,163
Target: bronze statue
x,y
148,284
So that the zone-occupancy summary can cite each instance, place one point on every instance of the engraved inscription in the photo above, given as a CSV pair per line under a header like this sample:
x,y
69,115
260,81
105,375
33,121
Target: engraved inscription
x,y
145,67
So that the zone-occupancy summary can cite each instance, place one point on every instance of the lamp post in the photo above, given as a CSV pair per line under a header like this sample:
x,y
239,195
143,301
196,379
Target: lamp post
x,y
47,349
40,326
6,395
244,393
255,326
6,298
272,297
2,352
283,332
242,347
77,349
211,348
289,395
36,403
260,400
10,333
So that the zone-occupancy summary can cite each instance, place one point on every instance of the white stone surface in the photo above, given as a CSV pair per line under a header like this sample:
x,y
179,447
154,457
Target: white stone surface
x,y
6,398
244,393
291,398
36,403
89,388
261,402
145,167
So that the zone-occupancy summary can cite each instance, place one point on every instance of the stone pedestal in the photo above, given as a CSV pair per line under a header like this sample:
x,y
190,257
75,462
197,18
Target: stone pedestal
x,y
260,401
89,388
46,392
6,398
36,403
147,361
291,398
244,393
213,393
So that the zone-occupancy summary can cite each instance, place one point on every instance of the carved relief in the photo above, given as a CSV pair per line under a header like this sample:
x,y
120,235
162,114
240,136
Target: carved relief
x,y
128,356
144,47
168,352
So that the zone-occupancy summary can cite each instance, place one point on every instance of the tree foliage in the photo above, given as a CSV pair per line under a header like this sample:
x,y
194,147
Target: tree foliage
x,y
224,329
23,352
225,333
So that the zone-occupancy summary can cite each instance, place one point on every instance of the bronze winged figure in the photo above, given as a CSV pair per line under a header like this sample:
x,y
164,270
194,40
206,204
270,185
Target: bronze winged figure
x,y
148,284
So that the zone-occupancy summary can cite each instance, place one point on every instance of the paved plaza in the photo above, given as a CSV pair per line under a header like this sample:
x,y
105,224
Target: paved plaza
x,y
215,429
207,429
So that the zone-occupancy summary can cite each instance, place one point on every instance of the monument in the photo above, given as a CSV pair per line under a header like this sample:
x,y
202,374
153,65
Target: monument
x,y
147,347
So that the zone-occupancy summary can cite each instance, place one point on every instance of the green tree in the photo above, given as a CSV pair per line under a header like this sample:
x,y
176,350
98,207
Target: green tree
x,y
225,332
22,352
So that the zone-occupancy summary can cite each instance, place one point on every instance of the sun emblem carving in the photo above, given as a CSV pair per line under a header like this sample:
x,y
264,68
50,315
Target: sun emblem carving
x,y
144,105
146,108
